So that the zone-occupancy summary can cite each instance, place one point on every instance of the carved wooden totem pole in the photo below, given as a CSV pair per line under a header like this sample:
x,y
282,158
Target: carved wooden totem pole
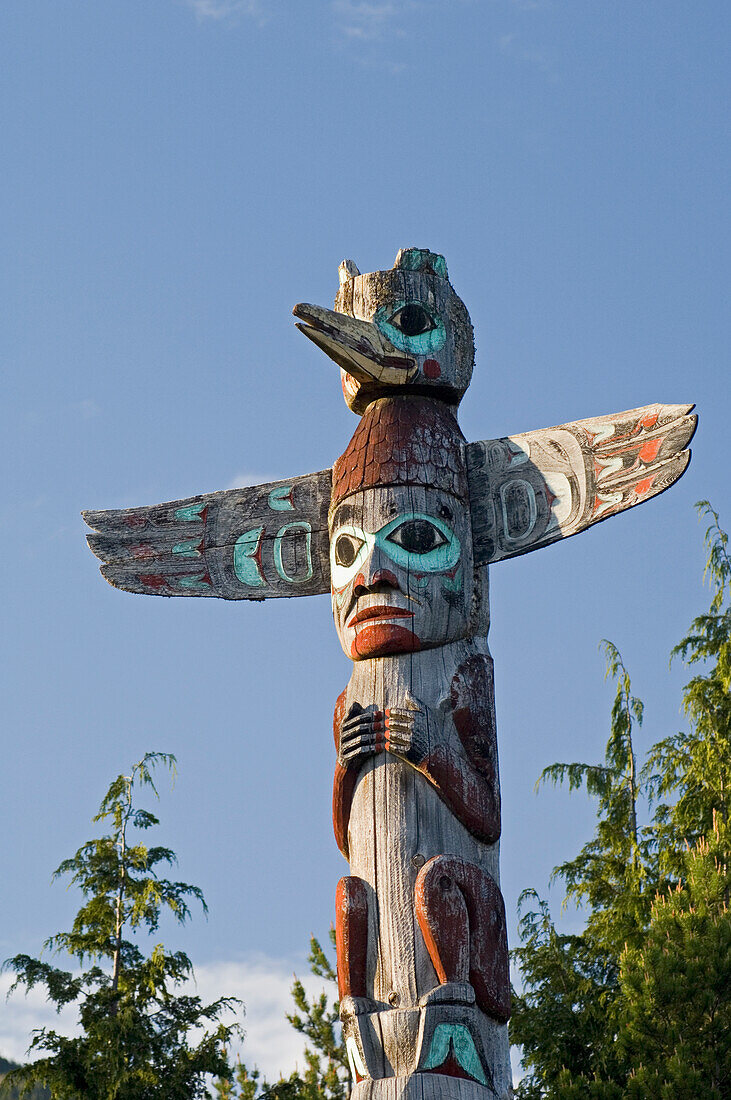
x,y
401,532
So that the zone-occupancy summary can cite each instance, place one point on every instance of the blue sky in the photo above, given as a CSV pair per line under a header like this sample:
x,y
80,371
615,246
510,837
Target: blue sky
x,y
175,177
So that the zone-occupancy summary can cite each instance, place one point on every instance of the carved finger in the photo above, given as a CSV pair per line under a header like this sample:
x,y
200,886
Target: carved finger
x,y
362,748
366,731
402,717
364,718
348,733
363,728
400,727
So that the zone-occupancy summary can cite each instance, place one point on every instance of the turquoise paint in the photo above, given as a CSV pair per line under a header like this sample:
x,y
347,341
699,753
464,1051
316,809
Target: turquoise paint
x,y
188,549
195,582
458,1037
300,525
455,583
280,499
426,343
440,560
246,562
416,259
420,582
190,512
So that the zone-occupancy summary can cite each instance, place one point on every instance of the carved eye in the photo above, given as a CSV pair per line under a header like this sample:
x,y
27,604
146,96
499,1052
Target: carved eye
x,y
346,549
417,536
412,319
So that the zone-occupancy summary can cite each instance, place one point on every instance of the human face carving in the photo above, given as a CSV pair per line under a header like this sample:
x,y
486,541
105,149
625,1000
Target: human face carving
x,y
401,569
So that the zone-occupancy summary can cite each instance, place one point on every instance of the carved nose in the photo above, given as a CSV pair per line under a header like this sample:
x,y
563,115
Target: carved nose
x,y
380,581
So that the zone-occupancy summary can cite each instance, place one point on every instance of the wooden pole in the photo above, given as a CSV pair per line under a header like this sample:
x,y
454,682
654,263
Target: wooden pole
x,y
401,532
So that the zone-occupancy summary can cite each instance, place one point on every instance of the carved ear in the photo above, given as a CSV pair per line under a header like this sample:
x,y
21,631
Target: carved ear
x,y
421,259
347,270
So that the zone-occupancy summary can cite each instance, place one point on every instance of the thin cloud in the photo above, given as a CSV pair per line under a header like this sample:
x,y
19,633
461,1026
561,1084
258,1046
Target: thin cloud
x,y
262,983
365,20
246,478
226,9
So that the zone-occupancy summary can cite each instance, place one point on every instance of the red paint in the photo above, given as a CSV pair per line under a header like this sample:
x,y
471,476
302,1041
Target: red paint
x,y
142,552
344,784
380,611
650,420
338,717
473,700
461,915
648,452
403,440
359,581
383,640
153,580
135,521
644,486
432,368
450,1067
474,801
351,936
384,576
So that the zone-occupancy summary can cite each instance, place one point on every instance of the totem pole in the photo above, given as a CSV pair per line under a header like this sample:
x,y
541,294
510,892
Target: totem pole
x,y
401,532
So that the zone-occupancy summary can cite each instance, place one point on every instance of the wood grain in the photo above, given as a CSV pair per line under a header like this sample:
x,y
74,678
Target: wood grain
x,y
254,543
414,513
532,489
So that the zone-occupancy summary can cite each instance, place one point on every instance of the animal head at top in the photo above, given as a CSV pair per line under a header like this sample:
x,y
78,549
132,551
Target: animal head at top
x,y
398,331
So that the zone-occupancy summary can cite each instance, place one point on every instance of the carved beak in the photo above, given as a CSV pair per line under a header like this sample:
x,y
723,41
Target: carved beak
x,y
359,347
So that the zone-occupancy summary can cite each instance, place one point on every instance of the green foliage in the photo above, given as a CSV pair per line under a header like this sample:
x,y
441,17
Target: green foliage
x,y
134,1026
639,1003
326,1075
609,875
676,988
565,1012
36,1093
566,1017
695,766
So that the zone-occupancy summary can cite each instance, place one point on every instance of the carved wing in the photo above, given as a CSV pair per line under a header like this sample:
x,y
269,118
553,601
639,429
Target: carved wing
x,y
238,544
532,489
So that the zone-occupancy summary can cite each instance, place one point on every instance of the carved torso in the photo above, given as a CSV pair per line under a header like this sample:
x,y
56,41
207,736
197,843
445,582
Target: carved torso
x,y
447,803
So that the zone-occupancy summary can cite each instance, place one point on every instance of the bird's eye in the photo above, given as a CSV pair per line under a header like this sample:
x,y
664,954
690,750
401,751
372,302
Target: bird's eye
x,y
417,536
346,549
412,319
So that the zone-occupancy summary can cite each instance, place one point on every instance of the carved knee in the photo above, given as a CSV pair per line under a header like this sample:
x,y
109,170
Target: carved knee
x,y
461,915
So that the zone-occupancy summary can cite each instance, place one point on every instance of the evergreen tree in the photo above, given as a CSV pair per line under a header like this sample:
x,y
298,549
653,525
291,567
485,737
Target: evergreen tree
x,y
134,1026
567,1016
694,767
639,1003
326,1074
675,1024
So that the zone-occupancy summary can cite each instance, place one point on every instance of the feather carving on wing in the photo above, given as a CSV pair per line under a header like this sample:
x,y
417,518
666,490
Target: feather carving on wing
x,y
238,544
529,490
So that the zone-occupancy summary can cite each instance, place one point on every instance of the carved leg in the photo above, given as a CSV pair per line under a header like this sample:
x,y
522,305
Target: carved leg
x,y
461,914
351,936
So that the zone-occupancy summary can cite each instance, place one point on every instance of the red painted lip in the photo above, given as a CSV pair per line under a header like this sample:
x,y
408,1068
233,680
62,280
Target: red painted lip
x,y
380,611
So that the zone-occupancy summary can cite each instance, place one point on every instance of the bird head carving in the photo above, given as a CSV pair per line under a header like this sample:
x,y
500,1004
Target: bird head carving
x,y
398,331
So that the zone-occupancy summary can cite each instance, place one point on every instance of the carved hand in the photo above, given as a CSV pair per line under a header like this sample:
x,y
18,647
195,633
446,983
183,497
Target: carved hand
x,y
361,734
399,730
406,732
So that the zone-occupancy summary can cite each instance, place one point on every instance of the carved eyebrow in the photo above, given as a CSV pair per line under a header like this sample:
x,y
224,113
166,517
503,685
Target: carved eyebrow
x,y
346,513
